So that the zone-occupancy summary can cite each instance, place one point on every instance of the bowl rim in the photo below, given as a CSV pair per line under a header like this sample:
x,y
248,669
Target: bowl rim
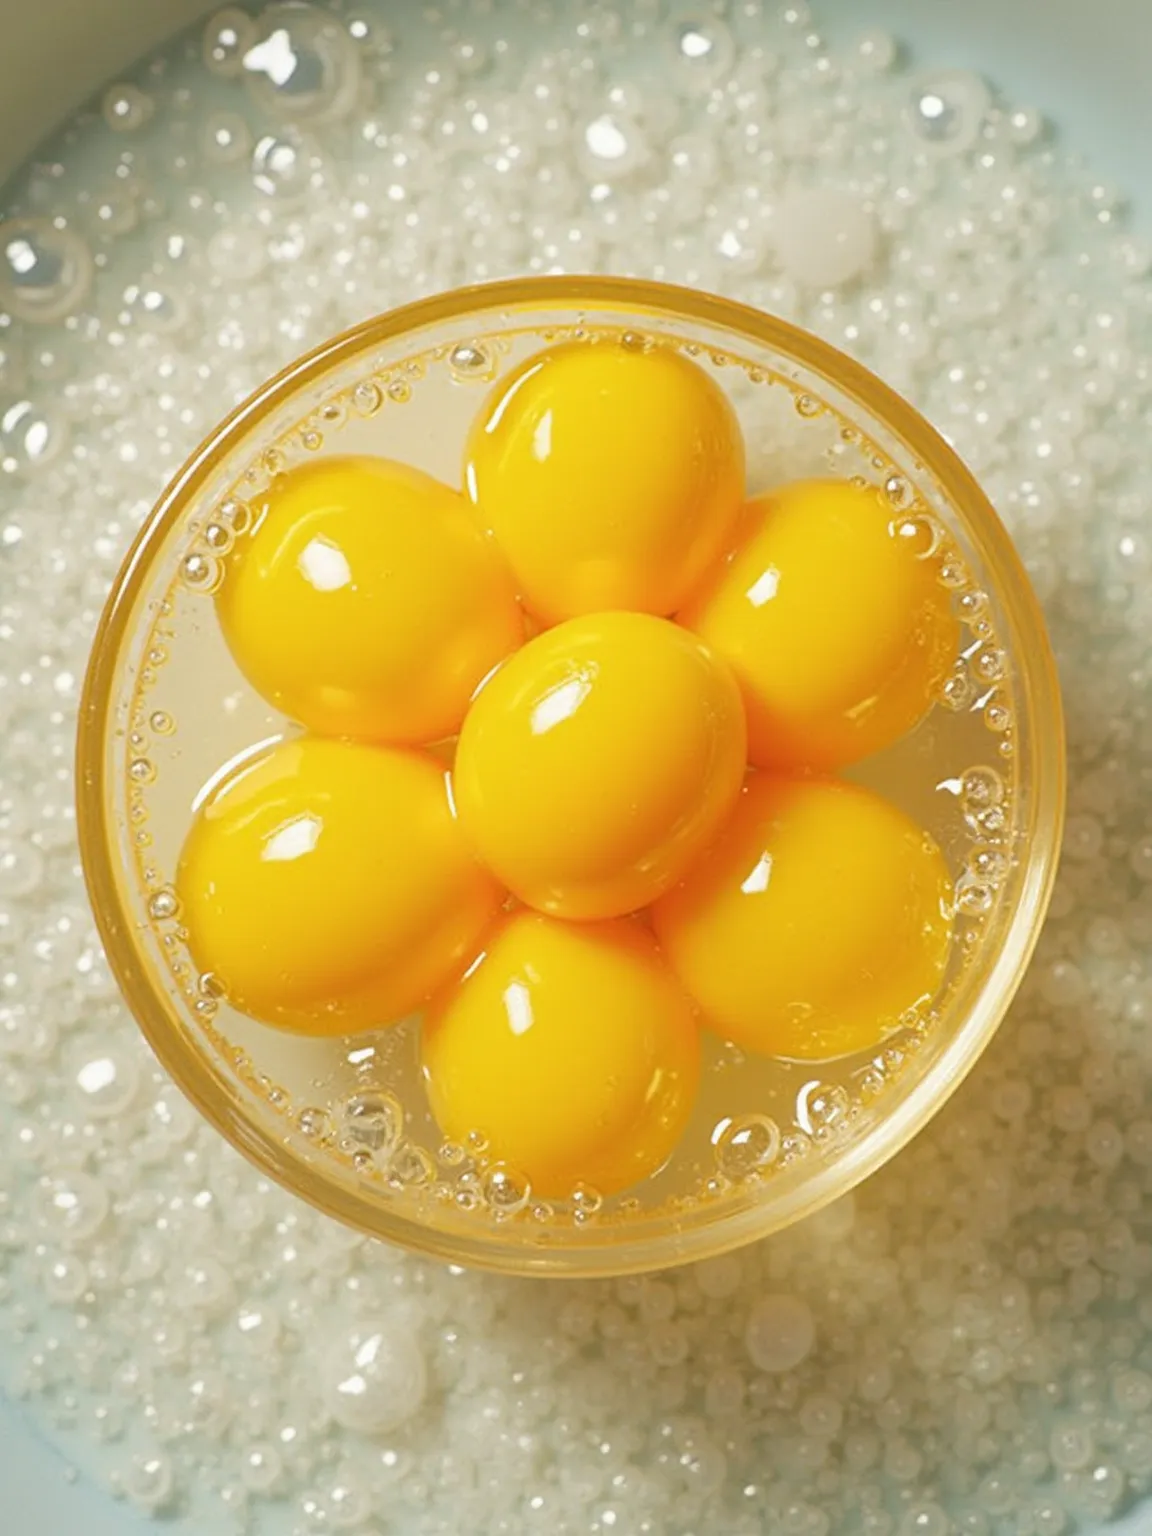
x,y
1044,768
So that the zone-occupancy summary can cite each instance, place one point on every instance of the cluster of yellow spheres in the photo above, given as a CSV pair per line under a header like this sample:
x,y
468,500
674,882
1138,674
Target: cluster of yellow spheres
x,y
564,778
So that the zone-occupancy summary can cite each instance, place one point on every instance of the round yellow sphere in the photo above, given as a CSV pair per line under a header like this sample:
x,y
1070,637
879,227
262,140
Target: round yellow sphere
x,y
834,620
598,762
820,916
571,1049
366,602
611,476
328,888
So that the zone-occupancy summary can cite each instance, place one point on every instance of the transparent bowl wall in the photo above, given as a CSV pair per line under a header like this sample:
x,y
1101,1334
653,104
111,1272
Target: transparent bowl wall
x,y
974,1009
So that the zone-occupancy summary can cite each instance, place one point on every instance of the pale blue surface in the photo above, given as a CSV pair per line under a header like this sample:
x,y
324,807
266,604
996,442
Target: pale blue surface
x,y
1062,56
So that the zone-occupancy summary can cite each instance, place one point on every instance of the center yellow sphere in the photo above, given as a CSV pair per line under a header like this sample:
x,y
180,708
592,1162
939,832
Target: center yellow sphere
x,y
598,762
612,476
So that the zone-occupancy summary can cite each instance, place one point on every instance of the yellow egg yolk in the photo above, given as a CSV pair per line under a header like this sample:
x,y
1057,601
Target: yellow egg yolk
x,y
570,1048
327,887
598,762
835,623
366,602
611,476
820,915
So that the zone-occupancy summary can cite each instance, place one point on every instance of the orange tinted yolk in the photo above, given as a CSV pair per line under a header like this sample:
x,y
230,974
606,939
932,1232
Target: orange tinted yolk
x,y
598,762
834,621
367,603
571,1049
327,886
611,477
819,916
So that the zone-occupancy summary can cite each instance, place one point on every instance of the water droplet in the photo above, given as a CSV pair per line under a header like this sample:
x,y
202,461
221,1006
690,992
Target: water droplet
x,y
808,406
45,270
302,64
400,391
161,722
141,770
747,1145
149,1482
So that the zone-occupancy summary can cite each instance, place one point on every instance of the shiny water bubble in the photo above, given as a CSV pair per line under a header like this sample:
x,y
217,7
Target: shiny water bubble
x,y
282,165
372,1120
946,110
32,434
746,1145
46,270
105,1081
73,1206
227,37
700,46
302,64
126,107
225,138
505,1190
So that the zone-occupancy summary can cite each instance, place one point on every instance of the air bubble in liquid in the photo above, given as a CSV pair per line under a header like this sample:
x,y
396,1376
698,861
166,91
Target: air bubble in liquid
x,y
201,572
163,905
505,1190
746,1145
46,270
302,64
372,1120
228,35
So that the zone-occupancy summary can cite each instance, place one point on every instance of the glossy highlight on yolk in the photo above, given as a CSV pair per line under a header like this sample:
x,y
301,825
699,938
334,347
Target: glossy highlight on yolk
x,y
366,603
328,888
570,1048
820,915
598,762
835,623
612,477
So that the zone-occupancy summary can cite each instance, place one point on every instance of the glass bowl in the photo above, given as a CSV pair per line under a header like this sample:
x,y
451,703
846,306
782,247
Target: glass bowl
x,y
342,1124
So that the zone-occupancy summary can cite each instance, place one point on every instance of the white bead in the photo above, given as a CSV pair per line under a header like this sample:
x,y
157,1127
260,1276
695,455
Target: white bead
x,y
824,238
376,1378
780,1332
